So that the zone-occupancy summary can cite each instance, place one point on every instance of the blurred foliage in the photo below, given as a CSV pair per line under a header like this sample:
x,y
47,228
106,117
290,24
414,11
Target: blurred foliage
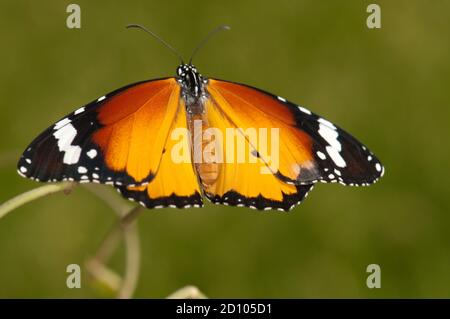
x,y
388,87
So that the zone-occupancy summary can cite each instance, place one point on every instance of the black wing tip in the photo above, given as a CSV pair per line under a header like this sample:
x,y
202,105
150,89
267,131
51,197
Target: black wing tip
x,y
332,177
24,167
364,170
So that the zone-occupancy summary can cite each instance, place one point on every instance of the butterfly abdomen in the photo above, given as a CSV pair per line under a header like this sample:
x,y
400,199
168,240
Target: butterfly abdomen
x,y
203,155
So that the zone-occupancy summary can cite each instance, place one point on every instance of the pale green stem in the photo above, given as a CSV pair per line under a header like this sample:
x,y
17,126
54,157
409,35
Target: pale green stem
x,y
104,275
31,195
188,292
109,196
127,225
108,245
111,240
133,257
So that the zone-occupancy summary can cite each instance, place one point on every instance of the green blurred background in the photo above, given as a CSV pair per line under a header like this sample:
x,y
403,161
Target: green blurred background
x,y
389,87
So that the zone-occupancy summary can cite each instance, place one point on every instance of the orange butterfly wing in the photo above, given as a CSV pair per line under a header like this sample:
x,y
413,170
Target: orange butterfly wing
x,y
311,149
242,177
247,108
116,139
135,126
175,184
122,139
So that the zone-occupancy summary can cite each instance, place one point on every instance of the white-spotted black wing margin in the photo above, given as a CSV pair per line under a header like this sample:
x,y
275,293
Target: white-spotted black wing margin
x,y
339,157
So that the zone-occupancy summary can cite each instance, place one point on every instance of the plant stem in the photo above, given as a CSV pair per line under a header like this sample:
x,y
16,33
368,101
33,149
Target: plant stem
x,y
103,274
108,245
31,195
188,292
96,266
127,225
107,195
132,265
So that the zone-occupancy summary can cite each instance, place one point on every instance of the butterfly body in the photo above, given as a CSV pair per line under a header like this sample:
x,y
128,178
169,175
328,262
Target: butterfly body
x,y
194,95
192,88
170,142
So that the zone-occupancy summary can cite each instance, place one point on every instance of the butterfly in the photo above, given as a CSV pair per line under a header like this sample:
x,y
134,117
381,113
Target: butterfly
x,y
147,140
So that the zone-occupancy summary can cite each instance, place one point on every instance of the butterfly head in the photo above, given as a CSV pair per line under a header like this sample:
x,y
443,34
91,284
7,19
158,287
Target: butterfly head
x,y
191,82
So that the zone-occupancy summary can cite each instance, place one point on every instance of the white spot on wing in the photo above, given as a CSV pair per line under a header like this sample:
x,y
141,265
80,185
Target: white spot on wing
x,y
321,155
80,110
101,98
329,134
327,123
82,170
92,153
378,167
282,99
23,169
61,123
336,157
65,136
304,110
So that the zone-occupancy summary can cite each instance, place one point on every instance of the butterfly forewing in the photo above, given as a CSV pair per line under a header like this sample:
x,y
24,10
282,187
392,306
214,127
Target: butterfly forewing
x,y
116,139
311,148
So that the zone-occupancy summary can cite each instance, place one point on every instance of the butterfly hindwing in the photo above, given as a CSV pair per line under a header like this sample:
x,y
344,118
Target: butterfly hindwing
x,y
260,201
241,178
175,183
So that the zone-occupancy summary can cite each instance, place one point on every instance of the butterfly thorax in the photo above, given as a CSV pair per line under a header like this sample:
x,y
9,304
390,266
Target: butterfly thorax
x,y
192,88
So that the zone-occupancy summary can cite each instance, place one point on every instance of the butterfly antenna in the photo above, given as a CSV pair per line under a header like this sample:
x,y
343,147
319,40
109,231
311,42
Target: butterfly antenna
x,y
167,45
205,39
